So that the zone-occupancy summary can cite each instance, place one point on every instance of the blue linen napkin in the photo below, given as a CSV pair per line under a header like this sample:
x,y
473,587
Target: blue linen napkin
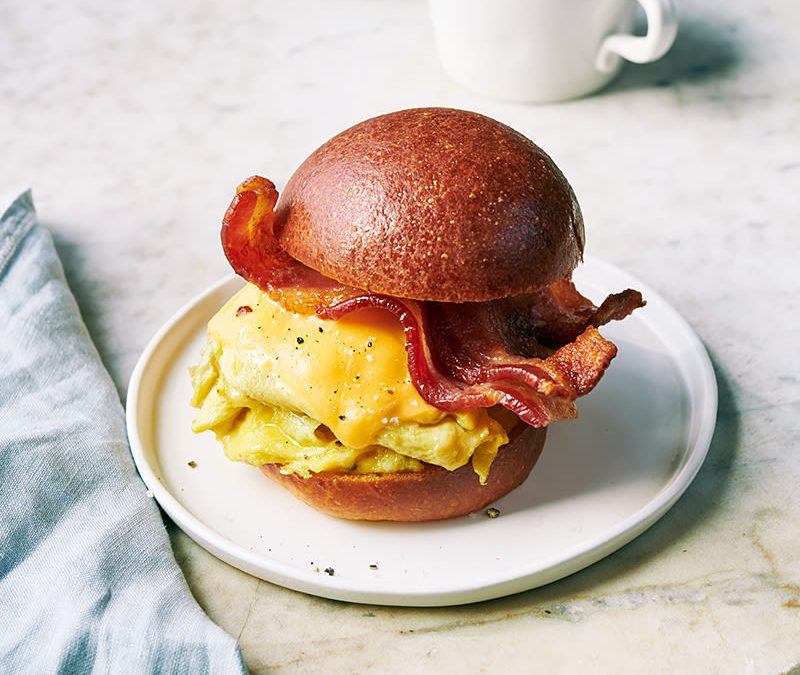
x,y
88,582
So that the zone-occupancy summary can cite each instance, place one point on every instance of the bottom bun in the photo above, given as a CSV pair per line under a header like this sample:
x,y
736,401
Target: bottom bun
x,y
431,494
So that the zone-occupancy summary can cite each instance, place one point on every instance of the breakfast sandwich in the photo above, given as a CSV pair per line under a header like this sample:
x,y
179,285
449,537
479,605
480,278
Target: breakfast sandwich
x,y
409,327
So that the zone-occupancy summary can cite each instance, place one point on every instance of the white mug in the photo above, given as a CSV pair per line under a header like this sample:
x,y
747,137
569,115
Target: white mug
x,y
546,50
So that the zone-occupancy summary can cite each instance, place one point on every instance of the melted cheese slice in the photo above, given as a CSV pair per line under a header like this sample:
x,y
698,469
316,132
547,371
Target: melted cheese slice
x,y
316,395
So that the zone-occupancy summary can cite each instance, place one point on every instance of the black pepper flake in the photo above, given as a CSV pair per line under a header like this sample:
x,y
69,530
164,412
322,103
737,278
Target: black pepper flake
x,y
492,512
244,309
329,571
341,417
373,566
369,344
357,377
320,330
192,464
300,340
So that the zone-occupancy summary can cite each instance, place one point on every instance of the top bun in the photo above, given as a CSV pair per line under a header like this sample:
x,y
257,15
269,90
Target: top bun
x,y
432,204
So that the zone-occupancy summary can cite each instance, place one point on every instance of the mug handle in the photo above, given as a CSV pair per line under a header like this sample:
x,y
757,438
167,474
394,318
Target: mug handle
x,y
662,26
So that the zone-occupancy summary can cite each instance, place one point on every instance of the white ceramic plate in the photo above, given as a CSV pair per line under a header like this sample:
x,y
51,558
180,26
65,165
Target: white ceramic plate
x,y
602,479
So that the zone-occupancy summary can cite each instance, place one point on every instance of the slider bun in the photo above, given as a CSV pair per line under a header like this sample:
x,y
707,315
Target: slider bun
x,y
432,204
431,494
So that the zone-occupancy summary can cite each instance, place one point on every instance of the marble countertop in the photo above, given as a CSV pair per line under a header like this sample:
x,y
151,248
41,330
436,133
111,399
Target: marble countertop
x,y
133,122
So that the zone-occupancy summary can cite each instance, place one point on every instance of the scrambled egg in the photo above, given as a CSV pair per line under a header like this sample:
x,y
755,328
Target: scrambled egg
x,y
315,395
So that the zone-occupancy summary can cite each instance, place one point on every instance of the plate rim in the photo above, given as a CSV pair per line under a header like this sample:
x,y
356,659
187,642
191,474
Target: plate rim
x,y
568,562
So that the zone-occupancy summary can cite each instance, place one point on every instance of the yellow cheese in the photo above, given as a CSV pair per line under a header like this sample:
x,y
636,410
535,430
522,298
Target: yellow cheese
x,y
315,395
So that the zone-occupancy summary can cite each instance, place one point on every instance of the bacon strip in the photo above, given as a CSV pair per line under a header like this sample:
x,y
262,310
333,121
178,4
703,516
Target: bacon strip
x,y
557,315
532,354
252,249
457,360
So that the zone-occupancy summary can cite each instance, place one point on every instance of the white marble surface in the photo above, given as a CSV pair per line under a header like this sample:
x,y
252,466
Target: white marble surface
x,y
134,121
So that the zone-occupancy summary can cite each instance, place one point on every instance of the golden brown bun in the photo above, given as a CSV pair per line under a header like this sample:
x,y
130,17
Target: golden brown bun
x,y
431,494
432,204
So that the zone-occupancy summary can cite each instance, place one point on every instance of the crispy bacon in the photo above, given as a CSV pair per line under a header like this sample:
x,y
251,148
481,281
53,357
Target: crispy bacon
x,y
557,315
458,359
533,354
252,249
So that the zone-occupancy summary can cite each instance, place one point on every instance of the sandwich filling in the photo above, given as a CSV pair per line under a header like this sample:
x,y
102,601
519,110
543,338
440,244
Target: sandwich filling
x,y
315,395
313,375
